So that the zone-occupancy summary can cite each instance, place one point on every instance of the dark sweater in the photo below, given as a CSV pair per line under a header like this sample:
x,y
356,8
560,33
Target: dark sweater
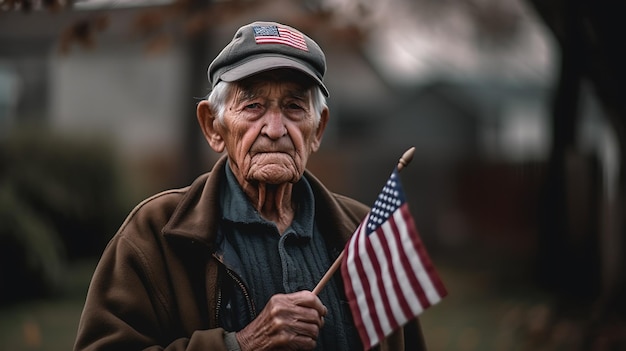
x,y
272,263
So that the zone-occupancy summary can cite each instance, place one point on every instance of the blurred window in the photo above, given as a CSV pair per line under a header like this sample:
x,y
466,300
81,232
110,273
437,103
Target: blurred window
x,y
9,93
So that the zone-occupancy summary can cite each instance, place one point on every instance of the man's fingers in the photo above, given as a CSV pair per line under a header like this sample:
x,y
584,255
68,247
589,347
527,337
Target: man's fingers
x,y
288,321
310,328
308,299
305,342
305,315
300,306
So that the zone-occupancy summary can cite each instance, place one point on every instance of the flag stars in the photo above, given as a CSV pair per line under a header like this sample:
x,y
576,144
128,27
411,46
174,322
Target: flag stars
x,y
387,202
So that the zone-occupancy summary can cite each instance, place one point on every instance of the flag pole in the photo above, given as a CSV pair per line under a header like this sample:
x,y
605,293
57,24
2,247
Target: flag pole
x,y
402,163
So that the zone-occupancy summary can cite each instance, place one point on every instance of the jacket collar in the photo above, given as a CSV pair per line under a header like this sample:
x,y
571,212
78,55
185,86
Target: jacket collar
x,y
198,214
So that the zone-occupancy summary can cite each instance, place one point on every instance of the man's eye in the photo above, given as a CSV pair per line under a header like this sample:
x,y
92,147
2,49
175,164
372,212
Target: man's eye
x,y
294,106
253,105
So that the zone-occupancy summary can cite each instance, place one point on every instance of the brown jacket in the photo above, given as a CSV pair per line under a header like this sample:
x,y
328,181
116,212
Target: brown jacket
x,y
157,284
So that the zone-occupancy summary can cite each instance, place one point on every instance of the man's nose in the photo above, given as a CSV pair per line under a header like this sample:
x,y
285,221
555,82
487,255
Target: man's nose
x,y
274,126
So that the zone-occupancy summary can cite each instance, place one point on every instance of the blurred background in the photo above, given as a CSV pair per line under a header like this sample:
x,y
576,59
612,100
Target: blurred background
x,y
517,185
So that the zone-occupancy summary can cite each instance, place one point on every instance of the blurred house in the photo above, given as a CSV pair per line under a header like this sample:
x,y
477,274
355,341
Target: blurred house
x,y
469,87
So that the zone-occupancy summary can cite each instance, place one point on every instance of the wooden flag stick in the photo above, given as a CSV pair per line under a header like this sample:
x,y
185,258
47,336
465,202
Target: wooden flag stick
x,y
402,163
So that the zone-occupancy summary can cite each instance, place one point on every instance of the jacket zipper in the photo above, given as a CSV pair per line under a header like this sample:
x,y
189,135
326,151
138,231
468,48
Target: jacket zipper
x,y
244,290
218,302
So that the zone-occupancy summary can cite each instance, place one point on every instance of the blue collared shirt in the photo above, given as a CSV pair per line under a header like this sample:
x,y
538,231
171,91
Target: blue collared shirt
x,y
270,262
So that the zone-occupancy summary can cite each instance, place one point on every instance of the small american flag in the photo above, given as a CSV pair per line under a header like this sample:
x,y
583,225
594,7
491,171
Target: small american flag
x,y
279,35
388,276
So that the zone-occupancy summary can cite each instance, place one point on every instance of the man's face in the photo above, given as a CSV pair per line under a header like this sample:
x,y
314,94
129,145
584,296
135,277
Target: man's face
x,y
269,128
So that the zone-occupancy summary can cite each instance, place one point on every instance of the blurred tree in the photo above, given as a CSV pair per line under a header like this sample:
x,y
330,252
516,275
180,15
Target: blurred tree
x,y
589,34
72,184
32,257
60,199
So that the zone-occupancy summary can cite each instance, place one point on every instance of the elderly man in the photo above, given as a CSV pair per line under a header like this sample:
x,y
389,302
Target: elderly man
x,y
228,262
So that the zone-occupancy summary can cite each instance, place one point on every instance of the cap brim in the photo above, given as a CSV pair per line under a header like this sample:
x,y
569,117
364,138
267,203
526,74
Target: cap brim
x,y
267,63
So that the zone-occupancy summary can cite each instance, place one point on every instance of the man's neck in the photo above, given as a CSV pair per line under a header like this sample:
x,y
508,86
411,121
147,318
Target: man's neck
x,y
273,202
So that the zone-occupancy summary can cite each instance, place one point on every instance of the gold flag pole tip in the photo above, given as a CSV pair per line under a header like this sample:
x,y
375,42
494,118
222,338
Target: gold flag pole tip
x,y
406,158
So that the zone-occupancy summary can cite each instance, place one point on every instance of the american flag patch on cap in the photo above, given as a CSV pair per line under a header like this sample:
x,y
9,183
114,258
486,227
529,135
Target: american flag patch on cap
x,y
279,35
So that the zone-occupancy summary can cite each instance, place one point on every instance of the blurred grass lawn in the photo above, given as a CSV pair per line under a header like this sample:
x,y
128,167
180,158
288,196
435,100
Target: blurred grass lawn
x,y
47,324
477,315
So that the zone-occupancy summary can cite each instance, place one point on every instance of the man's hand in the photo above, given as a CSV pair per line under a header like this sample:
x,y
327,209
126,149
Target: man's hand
x,y
288,322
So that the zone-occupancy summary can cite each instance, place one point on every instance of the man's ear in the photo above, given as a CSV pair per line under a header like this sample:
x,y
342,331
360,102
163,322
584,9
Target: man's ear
x,y
319,133
208,122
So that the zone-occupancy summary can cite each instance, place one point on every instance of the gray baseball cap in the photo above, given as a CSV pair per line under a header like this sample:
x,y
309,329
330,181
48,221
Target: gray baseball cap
x,y
263,46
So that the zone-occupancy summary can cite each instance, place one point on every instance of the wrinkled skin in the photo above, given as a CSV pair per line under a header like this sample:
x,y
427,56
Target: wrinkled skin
x,y
288,322
269,130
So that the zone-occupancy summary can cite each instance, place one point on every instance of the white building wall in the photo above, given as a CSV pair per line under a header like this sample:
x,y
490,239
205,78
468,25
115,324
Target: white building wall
x,y
121,92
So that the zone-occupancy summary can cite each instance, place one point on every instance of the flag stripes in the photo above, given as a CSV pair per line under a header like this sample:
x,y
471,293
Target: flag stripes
x,y
280,35
387,273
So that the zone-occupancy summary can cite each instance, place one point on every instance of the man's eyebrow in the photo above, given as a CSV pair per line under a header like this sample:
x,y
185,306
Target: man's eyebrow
x,y
245,94
250,93
298,93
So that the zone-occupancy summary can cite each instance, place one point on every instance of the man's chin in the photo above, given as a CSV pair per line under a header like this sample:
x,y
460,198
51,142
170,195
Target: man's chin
x,y
275,177
274,174
274,168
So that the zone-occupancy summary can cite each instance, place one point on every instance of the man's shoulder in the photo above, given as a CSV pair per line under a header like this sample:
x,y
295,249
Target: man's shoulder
x,y
350,203
336,203
164,201
157,209
351,211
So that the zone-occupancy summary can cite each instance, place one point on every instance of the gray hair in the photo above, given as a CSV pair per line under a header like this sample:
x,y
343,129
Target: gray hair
x,y
218,96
